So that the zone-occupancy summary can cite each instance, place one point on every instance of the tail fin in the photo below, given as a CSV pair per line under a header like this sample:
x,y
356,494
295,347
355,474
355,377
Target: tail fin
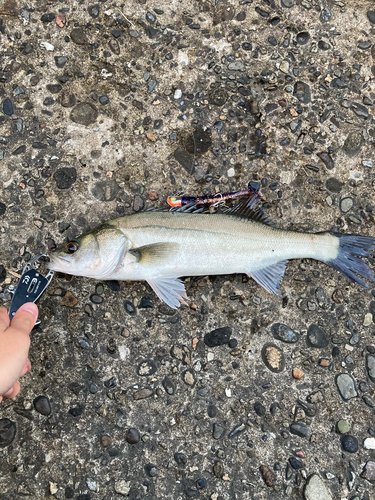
x,y
347,262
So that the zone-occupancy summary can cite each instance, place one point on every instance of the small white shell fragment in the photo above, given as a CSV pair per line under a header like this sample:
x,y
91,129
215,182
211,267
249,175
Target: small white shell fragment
x,y
124,352
367,319
47,46
53,488
369,443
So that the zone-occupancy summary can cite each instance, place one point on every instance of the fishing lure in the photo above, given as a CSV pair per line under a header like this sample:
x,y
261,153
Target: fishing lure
x,y
175,201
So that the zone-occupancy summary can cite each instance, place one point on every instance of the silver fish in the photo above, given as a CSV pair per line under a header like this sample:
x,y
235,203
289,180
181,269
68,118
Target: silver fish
x,y
160,247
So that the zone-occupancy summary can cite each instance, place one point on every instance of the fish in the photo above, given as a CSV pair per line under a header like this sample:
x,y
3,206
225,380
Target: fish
x,y
160,247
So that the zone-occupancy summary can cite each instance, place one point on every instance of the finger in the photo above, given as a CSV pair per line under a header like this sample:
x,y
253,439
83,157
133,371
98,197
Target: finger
x,y
4,319
26,368
25,318
12,393
1,398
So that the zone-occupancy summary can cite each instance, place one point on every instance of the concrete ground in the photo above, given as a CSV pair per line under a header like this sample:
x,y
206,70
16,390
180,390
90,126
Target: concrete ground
x,y
107,108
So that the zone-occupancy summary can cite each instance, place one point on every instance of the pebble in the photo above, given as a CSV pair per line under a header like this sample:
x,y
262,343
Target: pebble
x,y
297,373
132,436
368,319
85,113
349,443
180,459
188,377
325,14
346,204
8,107
151,85
142,394
273,358
218,431
146,368
302,38
369,471
268,476
104,99
284,67
60,61
353,143
295,463
48,18
343,426
259,409
91,484
96,299
67,100
122,487
42,405
94,11
65,177
218,469
178,94
106,440
316,337
8,431
367,163
201,483
298,429
370,366
129,308
301,91
218,337
237,66
327,160
371,16
284,333
365,45
315,489
346,386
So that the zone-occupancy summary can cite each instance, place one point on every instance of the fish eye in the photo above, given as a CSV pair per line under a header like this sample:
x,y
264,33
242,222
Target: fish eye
x,y
72,246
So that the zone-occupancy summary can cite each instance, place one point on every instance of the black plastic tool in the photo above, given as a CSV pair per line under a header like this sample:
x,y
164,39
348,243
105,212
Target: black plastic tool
x,y
30,287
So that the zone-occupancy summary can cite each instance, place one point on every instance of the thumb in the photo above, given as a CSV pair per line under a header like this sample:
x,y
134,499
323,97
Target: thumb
x,y
25,318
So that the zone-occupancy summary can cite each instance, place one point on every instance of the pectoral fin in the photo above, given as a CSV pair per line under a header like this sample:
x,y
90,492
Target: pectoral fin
x,y
270,277
151,255
170,290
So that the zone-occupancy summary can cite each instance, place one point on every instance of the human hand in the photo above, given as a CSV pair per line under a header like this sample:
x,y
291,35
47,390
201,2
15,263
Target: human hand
x,y
14,347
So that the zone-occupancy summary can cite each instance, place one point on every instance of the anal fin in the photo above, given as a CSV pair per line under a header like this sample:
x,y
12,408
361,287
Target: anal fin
x,y
270,277
170,290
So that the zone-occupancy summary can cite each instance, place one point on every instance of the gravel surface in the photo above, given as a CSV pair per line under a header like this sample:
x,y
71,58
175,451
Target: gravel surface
x,y
107,108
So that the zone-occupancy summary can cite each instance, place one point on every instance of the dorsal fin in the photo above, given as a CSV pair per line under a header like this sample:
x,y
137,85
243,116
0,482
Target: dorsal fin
x,y
248,209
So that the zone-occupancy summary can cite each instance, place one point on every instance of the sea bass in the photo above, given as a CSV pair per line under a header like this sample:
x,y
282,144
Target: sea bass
x,y
162,246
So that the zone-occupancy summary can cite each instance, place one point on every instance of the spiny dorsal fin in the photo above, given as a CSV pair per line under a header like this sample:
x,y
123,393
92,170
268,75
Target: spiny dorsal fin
x,y
156,253
270,277
248,209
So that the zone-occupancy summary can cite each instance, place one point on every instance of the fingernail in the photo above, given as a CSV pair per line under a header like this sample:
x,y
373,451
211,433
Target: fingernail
x,y
8,393
30,307
26,369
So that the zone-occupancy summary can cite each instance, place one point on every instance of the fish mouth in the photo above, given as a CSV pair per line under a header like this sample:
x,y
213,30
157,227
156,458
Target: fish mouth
x,y
58,263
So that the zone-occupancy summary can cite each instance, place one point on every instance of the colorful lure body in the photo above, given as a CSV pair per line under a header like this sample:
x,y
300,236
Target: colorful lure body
x,y
181,201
